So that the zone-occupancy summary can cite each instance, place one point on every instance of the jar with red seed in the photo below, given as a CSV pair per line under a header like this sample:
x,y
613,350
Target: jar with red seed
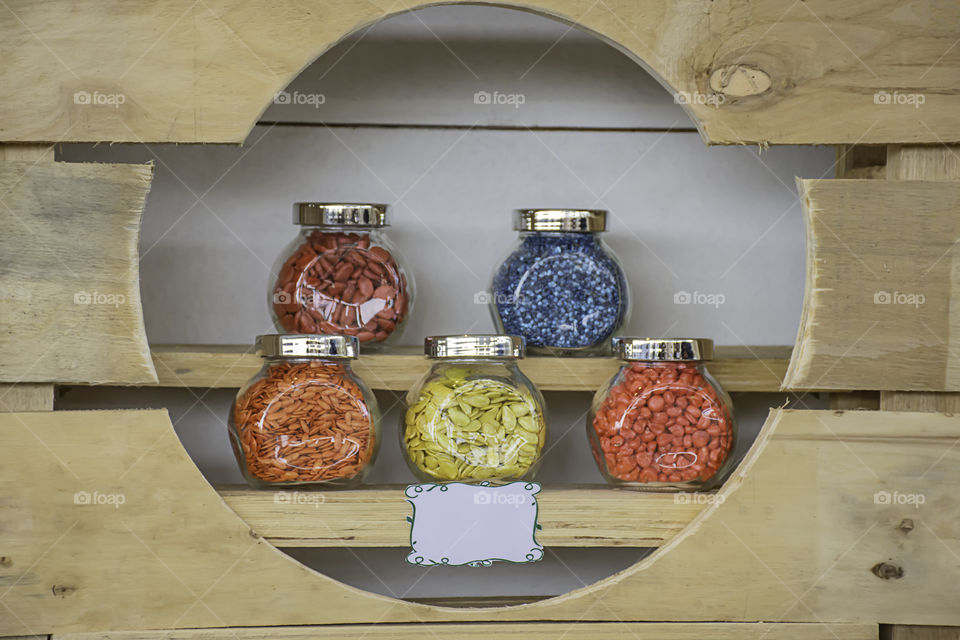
x,y
662,422
341,275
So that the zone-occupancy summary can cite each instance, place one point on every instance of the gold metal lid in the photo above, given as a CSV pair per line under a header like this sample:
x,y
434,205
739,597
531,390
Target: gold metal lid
x,y
571,220
474,346
320,214
663,349
274,345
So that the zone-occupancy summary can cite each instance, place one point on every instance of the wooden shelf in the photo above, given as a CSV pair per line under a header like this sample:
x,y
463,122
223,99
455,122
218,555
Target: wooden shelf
x,y
596,516
230,366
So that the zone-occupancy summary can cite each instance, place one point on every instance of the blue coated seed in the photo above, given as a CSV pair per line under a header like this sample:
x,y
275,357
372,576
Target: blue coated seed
x,y
560,290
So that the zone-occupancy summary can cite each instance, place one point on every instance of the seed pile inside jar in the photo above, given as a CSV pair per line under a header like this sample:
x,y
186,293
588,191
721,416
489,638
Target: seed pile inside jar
x,y
662,422
303,422
560,290
466,426
339,283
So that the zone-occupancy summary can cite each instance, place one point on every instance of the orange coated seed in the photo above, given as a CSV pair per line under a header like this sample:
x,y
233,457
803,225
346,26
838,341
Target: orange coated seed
x,y
663,422
303,422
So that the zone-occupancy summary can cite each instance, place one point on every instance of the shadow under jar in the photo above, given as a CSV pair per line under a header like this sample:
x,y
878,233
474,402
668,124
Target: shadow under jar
x,y
662,422
561,289
474,415
305,418
341,275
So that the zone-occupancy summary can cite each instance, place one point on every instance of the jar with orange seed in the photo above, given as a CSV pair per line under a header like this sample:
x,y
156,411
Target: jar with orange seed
x,y
663,423
305,418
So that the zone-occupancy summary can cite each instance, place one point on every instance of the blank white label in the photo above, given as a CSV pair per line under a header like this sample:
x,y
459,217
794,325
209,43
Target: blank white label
x,y
473,524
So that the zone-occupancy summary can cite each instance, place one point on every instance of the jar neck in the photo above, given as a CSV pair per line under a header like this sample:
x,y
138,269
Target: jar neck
x,y
560,240
328,363
581,235
475,361
337,228
662,364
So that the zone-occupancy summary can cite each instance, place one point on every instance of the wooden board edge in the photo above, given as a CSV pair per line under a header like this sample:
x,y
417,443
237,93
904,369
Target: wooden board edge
x,y
511,631
799,363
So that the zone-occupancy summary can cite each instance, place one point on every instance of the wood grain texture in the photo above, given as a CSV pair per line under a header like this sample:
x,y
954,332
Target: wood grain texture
x,y
913,632
535,631
930,402
230,366
926,163
921,163
920,401
26,397
882,274
69,273
758,71
31,152
376,517
792,536
941,162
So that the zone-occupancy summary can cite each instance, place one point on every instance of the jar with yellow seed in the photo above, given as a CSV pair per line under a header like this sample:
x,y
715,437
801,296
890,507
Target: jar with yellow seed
x,y
474,416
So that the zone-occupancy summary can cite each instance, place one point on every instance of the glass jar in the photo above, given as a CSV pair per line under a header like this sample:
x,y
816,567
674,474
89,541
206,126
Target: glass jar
x,y
474,416
561,289
341,276
305,418
662,422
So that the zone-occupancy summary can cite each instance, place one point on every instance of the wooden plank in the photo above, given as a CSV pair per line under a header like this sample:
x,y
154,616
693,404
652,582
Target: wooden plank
x,y
926,163
929,402
533,631
376,517
866,163
230,366
877,314
800,533
921,163
755,70
913,632
26,397
69,274
920,401
31,152
940,162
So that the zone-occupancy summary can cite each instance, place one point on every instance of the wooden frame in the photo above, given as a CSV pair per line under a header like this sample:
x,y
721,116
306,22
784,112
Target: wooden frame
x,y
800,537
71,299
879,310
832,557
737,368
754,59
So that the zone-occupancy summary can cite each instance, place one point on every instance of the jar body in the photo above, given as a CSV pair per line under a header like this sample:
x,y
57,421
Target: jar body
x,y
664,426
340,280
304,421
473,419
564,292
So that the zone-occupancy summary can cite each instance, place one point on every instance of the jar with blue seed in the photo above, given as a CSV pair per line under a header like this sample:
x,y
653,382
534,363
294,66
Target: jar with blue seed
x,y
561,289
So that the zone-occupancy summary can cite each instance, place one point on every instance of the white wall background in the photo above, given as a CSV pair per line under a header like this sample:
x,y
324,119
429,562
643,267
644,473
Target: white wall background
x,y
399,124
